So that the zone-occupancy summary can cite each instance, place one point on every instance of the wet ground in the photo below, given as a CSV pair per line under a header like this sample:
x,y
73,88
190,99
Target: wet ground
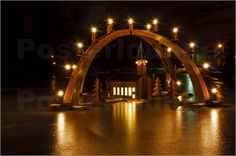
x,y
119,128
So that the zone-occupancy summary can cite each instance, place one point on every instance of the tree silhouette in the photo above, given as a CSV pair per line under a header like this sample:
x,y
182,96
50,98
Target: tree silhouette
x,y
157,87
172,89
96,89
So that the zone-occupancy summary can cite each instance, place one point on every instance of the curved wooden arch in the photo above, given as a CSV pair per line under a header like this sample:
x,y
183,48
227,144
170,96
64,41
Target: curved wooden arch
x,y
76,82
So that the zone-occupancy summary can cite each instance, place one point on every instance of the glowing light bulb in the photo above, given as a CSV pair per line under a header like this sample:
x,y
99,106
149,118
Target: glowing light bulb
x,y
206,65
67,67
110,21
94,30
74,66
192,44
155,21
80,45
219,45
148,26
60,93
131,21
214,90
178,83
169,49
175,30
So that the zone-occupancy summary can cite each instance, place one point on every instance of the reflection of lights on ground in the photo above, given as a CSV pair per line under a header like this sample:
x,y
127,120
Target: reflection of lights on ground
x,y
210,133
124,114
61,120
179,108
214,116
179,117
180,98
61,128
64,135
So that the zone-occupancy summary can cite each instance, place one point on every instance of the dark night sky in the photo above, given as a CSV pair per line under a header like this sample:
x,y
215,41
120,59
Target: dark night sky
x,y
57,23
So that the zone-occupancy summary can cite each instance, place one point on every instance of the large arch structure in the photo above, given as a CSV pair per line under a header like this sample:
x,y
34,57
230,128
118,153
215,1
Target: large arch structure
x,y
75,85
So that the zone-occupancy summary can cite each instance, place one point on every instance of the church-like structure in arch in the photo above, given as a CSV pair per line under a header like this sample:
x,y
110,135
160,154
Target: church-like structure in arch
x,y
129,85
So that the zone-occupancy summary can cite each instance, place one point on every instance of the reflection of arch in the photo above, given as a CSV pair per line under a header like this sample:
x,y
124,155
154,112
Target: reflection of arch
x,y
76,82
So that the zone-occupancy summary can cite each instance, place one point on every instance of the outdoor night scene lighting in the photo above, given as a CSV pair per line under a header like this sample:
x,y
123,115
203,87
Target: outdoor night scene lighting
x,y
219,45
80,45
155,25
118,78
178,83
110,21
73,66
67,67
206,65
214,90
169,49
175,33
60,93
94,30
191,44
148,26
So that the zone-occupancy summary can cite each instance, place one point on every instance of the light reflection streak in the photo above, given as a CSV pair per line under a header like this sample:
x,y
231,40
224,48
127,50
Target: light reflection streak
x,y
210,134
214,117
64,135
179,116
179,121
61,128
124,116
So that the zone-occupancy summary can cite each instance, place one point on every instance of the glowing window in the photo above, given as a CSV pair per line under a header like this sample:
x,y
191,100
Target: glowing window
x,y
130,91
118,90
133,96
126,91
114,90
133,89
121,91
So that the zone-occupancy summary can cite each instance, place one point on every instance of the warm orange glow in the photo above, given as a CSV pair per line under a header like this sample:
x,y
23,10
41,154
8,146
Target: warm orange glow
x,y
118,90
133,89
178,83
206,65
142,61
214,90
67,67
60,93
126,91
169,49
214,116
148,26
220,45
73,66
131,21
52,56
130,91
110,21
54,63
155,21
80,45
133,96
121,91
191,44
180,98
94,30
175,30
114,90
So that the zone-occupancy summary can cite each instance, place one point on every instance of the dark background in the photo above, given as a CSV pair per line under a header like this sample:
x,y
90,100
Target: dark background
x,y
64,23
